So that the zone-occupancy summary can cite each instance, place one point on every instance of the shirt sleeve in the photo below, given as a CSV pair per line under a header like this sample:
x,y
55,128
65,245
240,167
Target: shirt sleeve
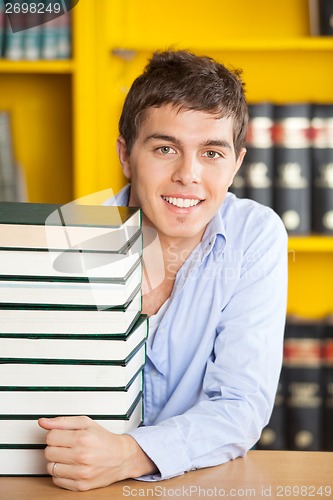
x,y
242,374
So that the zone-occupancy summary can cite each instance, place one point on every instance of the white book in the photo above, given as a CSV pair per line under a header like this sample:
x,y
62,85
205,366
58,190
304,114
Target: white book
x,y
70,265
103,295
26,431
67,227
69,321
62,402
22,462
102,374
94,347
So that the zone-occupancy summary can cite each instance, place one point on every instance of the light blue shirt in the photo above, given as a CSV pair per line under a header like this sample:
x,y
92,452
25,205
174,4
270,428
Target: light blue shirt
x,y
213,365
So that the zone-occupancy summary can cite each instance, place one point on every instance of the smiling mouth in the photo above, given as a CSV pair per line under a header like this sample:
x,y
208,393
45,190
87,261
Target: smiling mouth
x,y
182,202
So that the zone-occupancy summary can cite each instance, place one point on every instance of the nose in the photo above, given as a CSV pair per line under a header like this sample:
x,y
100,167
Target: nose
x,y
187,170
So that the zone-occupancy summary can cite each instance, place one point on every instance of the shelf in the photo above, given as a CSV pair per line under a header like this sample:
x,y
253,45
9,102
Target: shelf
x,y
316,244
237,44
40,66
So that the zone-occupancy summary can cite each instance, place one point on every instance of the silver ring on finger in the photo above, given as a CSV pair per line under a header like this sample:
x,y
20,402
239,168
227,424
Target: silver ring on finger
x,y
54,474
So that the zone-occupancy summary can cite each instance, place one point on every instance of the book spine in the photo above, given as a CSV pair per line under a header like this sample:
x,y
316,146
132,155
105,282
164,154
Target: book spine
x,y
14,33
292,165
304,390
326,17
7,164
32,38
64,36
328,388
258,161
2,26
273,436
50,34
322,168
314,17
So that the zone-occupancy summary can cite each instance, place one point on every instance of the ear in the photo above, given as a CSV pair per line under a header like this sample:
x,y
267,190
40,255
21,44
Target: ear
x,y
238,164
124,156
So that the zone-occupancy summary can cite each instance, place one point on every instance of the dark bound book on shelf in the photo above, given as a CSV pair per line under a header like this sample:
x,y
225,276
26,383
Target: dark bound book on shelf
x,y
328,387
292,165
325,17
238,184
304,384
273,436
258,161
2,26
322,168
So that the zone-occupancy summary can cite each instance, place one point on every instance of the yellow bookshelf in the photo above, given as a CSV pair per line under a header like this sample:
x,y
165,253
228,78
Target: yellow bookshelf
x,y
65,113
23,67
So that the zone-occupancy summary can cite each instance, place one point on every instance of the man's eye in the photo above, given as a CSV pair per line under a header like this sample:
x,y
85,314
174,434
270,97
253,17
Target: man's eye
x,y
212,154
165,150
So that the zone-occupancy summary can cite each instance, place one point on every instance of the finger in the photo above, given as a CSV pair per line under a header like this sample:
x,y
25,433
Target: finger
x,y
74,423
61,437
67,471
59,455
74,484
77,478
71,484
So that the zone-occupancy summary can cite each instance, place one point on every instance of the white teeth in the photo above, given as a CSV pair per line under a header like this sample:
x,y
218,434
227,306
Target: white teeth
x,y
181,202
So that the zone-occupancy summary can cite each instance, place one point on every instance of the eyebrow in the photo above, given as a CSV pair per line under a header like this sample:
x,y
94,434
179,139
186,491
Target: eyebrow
x,y
170,138
218,142
162,137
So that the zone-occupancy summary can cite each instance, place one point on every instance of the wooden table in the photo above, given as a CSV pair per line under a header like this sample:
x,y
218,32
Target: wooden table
x,y
261,474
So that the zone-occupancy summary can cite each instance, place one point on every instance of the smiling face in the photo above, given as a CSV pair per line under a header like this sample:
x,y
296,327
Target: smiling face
x,y
180,167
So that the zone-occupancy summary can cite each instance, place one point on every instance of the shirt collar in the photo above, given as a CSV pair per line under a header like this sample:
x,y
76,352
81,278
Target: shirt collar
x,y
214,235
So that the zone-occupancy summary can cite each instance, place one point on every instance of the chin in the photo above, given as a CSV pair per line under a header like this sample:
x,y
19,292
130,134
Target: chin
x,y
183,232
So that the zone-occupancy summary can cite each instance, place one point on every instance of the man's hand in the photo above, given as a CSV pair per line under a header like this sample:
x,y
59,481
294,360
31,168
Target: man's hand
x,y
88,456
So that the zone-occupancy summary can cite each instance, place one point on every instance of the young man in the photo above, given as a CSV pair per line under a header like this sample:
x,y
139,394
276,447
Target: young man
x,y
217,317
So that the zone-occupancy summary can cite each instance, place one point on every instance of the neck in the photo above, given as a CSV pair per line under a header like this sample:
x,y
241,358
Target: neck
x,y
173,250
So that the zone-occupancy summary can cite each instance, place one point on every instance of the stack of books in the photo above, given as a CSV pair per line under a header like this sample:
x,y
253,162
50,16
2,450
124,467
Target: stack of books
x,y
72,336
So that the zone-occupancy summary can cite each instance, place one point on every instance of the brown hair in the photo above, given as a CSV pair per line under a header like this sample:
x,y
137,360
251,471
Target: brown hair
x,y
189,82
